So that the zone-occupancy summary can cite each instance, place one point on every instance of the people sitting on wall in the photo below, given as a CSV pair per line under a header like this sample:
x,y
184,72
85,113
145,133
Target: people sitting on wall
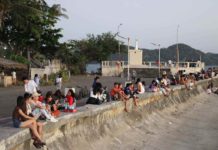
x,y
59,98
51,104
173,80
140,88
29,85
190,81
114,93
183,80
38,109
21,120
70,102
96,95
41,97
123,96
154,87
117,93
164,85
130,92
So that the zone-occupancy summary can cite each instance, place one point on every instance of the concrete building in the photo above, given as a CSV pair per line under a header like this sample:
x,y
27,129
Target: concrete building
x,y
50,67
146,69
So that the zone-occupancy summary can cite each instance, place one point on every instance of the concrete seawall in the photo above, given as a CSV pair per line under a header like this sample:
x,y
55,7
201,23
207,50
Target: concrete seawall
x,y
84,129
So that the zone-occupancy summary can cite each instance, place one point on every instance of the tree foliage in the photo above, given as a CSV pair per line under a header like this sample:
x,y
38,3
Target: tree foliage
x,y
34,31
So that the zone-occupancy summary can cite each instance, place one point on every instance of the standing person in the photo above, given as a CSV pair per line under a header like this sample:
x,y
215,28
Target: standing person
x,y
96,80
37,80
58,82
14,77
134,74
29,85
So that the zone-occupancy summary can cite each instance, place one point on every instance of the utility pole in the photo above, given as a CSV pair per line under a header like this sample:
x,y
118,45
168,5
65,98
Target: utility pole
x,y
118,31
128,61
158,57
177,47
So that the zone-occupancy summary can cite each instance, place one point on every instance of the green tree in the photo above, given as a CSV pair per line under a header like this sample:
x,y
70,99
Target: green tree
x,y
37,33
17,9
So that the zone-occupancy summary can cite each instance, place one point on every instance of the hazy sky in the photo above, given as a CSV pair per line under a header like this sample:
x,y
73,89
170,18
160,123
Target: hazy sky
x,y
146,20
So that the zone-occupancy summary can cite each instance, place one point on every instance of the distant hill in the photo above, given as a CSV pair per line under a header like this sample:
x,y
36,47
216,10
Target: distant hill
x,y
186,53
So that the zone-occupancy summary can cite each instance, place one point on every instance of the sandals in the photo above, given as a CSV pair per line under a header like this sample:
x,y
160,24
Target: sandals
x,y
38,144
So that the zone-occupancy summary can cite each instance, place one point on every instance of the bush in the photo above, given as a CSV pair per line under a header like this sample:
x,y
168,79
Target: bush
x,y
19,59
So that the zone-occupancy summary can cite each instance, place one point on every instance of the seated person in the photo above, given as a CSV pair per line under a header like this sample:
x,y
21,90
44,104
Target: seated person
x,y
51,104
96,95
70,102
21,120
115,92
41,97
130,92
38,108
154,86
59,99
140,88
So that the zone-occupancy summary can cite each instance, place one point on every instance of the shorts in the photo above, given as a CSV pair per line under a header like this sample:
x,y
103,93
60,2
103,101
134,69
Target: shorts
x,y
17,123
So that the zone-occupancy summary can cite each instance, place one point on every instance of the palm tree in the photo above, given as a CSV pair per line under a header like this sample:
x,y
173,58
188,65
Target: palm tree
x,y
17,8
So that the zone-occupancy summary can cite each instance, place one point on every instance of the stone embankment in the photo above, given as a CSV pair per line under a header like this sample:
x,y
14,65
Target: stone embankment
x,y
91,124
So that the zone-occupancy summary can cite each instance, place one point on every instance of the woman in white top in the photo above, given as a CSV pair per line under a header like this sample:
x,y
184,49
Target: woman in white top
x,y
140,87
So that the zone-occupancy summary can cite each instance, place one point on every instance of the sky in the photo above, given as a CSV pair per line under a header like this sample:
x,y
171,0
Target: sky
x,y
148,21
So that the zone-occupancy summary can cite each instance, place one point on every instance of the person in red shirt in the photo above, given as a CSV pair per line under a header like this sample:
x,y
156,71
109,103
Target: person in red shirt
x,y
70,102
41,97
115,92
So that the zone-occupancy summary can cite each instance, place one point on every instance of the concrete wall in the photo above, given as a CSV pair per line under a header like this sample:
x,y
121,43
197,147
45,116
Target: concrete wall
x,y
6,81
91,123
53,67
111,71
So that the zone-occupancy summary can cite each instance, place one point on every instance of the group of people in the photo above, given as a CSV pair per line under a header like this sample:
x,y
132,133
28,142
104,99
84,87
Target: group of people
x,y
33,107
100,94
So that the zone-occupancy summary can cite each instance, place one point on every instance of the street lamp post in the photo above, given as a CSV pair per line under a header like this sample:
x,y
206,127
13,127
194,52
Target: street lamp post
x,y
158,57
128,79
128,64
118,31
177,46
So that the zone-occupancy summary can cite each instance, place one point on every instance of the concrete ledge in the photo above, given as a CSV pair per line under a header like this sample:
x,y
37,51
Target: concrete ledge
x,y
93,122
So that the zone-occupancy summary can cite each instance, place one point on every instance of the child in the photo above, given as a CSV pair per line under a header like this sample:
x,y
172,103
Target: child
x,y
115,92
70,102
41,97
59,99
51,104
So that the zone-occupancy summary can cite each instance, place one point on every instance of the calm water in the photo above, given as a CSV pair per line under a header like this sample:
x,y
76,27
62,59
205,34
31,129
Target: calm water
x,y
92,68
